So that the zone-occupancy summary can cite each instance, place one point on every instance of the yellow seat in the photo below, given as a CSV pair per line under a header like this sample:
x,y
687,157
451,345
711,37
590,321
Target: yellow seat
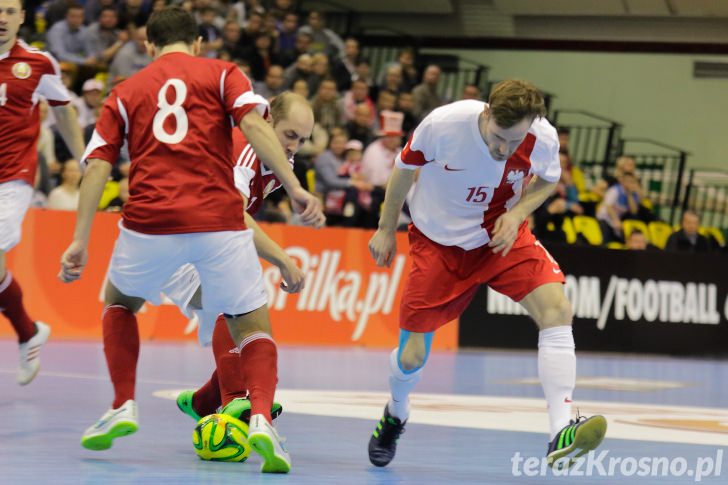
x,y
630,225
111,192
568,228
713,231
589,228
659,232
311,180
577,177
616,245
589,197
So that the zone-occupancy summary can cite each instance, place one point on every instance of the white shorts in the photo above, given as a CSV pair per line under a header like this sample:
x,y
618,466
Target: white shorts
x,y
15,198
226,262
180,288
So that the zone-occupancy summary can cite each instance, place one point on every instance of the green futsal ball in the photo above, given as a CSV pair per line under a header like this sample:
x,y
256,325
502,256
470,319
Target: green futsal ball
x,y
219,437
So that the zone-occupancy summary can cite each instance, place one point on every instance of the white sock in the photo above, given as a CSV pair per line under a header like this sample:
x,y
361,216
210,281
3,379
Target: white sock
x,y
557,372
400,384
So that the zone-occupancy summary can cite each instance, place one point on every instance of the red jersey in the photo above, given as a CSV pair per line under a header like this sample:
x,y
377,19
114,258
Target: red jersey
x,y
252,178
175,115
26,74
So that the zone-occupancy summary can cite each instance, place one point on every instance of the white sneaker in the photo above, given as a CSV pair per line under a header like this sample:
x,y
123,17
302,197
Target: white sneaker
x,y
115,423
29,354
266,442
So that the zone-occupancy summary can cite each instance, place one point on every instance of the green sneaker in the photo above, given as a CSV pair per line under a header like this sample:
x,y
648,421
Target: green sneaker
x,y
240,408
578,438
184,403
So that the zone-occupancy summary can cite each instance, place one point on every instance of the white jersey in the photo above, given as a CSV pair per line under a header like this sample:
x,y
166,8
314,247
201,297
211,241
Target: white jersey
x,y
461,190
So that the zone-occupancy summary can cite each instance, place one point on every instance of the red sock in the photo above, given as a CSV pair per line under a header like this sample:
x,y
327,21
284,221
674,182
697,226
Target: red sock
x,y
230,379
121,346
206,399
11,303
259,362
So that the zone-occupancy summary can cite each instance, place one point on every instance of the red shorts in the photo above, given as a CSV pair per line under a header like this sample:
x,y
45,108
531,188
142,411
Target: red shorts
x,y
444,279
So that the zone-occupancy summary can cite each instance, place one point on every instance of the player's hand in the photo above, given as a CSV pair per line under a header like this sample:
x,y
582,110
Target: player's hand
x,y
293,278
383,247
308,207
73,261
504,234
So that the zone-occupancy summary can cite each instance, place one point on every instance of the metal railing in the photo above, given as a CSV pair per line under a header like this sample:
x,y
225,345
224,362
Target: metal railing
x,y
706,192
661,170
593,140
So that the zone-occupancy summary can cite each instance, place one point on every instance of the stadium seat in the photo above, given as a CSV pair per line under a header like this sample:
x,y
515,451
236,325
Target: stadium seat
x,y
589,228
659,232
630,225
111,191
714,232
568,228
311,180
616,245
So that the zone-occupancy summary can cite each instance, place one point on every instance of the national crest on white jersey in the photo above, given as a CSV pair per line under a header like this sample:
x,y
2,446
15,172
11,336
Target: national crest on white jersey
x,y
514,176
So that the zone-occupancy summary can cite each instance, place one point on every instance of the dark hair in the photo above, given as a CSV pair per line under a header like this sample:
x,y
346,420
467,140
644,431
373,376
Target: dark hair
x,y
108,8
171,25
637,232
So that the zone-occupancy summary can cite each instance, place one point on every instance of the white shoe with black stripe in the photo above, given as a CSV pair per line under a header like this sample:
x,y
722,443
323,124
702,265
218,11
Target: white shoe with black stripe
x,y
30,354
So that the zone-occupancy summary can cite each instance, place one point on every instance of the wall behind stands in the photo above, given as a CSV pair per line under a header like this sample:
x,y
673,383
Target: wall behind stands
x,y
653,95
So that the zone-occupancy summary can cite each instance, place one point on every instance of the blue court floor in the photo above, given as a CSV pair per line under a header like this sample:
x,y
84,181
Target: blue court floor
x,y
478,417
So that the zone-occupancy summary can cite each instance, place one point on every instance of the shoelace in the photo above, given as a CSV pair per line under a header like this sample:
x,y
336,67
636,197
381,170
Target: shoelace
x,y
391,431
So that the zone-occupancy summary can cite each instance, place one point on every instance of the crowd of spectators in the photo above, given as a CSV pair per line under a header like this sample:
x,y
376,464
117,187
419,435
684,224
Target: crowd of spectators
x,y
362,117
619,208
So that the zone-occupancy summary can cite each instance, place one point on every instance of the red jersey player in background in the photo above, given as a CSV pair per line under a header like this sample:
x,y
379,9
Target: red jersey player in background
x,y
292,120
26,74
183,208
469,211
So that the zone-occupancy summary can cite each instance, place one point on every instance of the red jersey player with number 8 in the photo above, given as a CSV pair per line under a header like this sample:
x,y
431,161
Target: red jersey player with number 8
x,y
183,208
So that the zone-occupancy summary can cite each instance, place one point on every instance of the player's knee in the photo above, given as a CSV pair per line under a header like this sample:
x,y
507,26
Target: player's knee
x,y
557,313
412,358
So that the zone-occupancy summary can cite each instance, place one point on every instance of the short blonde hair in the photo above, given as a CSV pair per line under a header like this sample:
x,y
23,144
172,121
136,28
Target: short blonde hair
x,y
513,100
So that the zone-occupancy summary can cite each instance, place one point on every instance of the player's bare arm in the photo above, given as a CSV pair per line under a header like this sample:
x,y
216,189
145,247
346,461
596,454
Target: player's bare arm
x,y
383,245
266,145
268,249
67,120
74,259
506,226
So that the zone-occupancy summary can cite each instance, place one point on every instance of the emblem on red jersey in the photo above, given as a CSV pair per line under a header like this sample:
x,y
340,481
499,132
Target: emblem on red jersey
x,y
21,70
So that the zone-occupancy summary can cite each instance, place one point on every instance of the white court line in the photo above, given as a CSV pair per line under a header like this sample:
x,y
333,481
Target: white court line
x,y
91,377
507,413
